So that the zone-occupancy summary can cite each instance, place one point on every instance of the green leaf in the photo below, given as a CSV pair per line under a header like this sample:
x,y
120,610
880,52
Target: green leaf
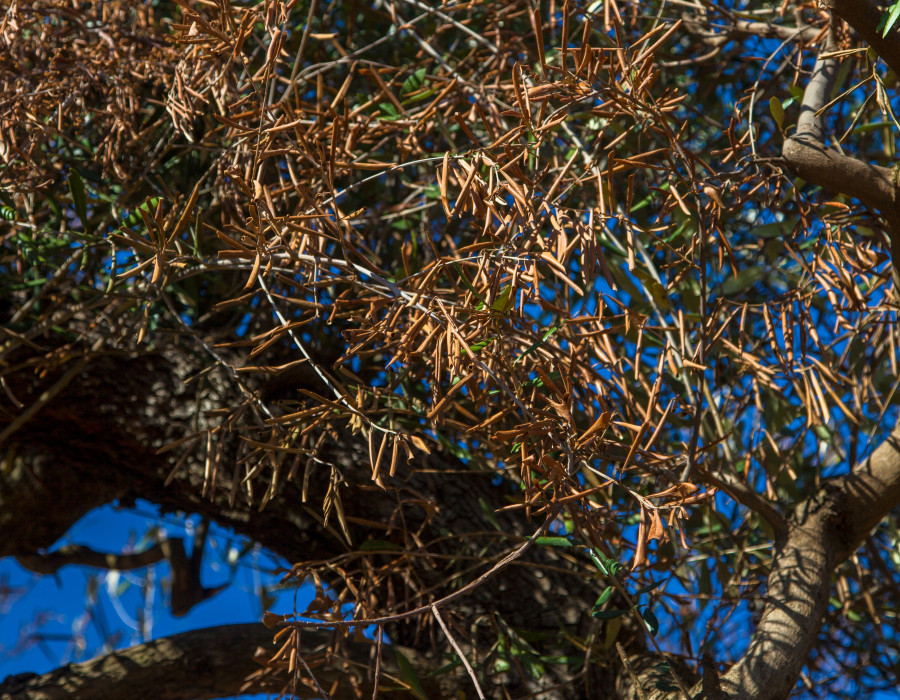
x,y
647,589
533,665
503,302
431,192
777,112
648,200
389,112
610,567
651,621
553,541
656,290
605,596
379,546
777,229
567,660
679,231
537,382
413,82
135,219
409,677
611,632
480,345
419,96
79,198
889,19
608,614
745,279
598,562
466,283
615,567
535,345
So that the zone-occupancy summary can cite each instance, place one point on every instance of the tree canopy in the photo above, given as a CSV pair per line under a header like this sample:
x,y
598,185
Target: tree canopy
x,y
553,344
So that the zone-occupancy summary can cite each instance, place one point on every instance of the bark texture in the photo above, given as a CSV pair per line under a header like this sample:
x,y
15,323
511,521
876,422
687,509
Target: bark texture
x,y
823,533
205,663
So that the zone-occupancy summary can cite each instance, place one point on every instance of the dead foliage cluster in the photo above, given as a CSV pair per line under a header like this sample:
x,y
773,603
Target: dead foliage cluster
x,y
503,233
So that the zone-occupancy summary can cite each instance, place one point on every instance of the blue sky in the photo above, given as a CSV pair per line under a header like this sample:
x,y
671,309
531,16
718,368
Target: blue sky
x,y
43,619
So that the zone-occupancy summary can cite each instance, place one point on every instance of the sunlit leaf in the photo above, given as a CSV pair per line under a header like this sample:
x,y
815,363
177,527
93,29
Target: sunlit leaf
x,y
413,82
777,112
504,300
888,19
604,596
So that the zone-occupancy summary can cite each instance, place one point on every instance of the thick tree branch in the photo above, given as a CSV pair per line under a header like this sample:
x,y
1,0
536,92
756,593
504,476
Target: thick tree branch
x,y
79,555
740,28
808,156
810,123
824,532
820,165
187,590
827,529
866,495
864,16
212,663
204,663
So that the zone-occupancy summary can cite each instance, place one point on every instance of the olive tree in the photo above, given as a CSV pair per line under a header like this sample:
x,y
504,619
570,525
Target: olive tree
x,y
553,344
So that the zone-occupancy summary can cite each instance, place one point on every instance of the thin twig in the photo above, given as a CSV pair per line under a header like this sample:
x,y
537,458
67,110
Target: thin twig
x,y
459,652
465,590
379,642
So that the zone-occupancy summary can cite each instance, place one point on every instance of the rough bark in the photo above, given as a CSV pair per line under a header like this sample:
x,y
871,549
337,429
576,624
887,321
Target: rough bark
x,y
208,663
824,532
864,16
204,663
807,154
